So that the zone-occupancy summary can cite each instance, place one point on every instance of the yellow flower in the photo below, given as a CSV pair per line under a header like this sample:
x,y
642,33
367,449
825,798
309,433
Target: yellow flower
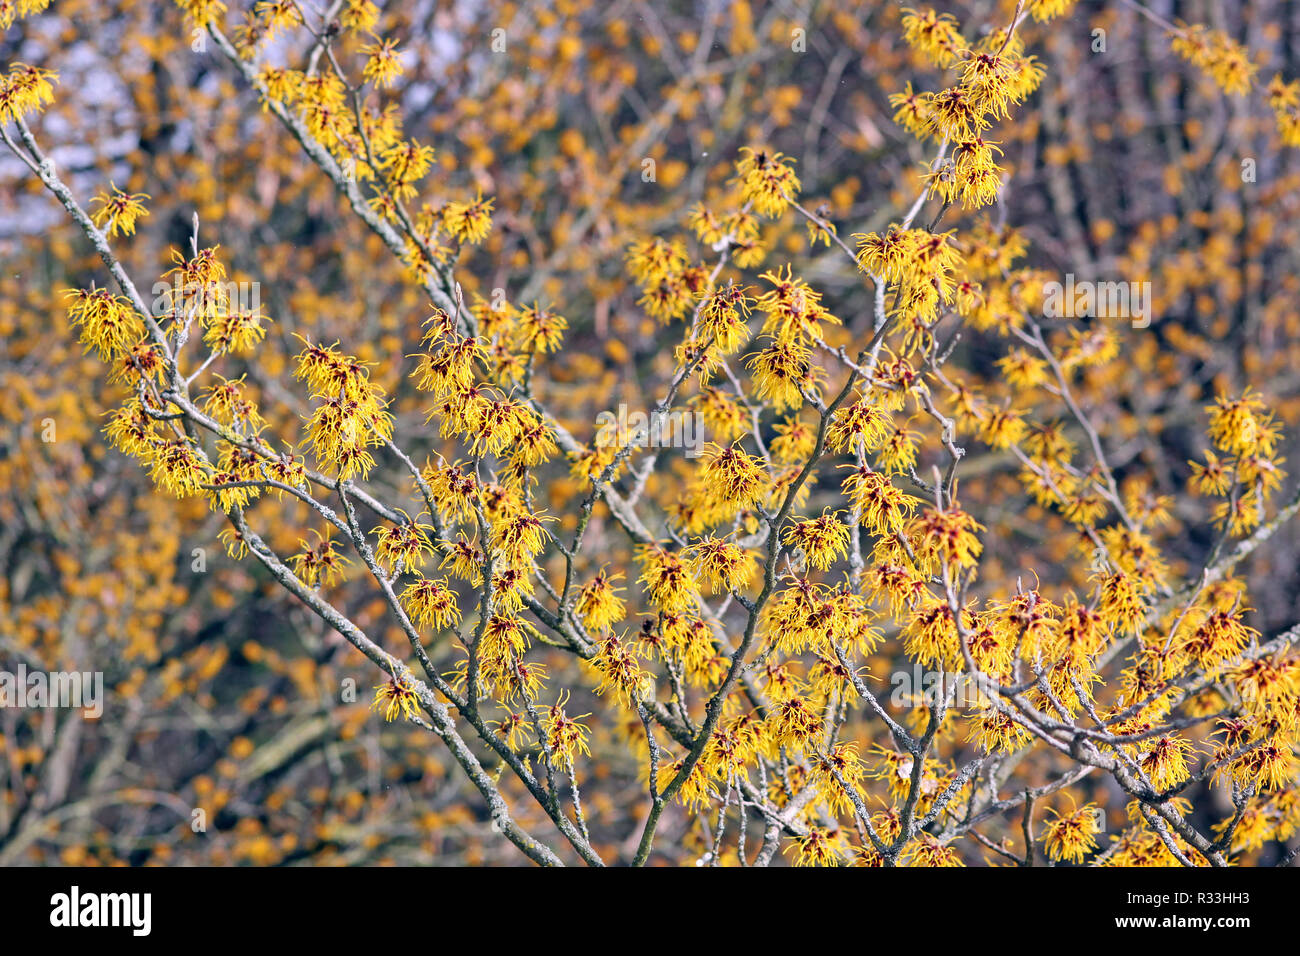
x,y
818,847
620,671
884,508
468,221
108,323
820,229
12,9
226,489
539,330
722,318
792,722
696,791
403,164
934,35
120,211
986,81
1165,762
1240,426
794,311
912,111
131,430
1270,766
766,180
1002,428
280,84
822,539
234,542
971,177
1268,686
723,416
1044,10
519,538
958,113
783,371
929,852
566,738
404,544
432,603
1122,601
455,490
860,421
383,63
277,14
667,579
234,330
360,16
176,468
706,226
654,260
449,366
202,12
397,696
319,564
1284,98
1223,58
931,635
998,733
598,603
731,475
794,441
1072,836
722,565
897,455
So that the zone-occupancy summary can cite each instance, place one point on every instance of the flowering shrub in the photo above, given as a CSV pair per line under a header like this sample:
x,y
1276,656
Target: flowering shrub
x,y
634,653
